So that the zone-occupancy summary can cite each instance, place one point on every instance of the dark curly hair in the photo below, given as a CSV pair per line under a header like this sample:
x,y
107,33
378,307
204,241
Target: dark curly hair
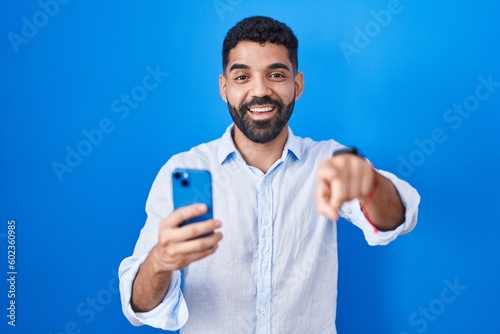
x,y
261,29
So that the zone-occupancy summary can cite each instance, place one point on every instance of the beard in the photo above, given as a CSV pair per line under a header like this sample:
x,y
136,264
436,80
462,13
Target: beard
x,y
261,131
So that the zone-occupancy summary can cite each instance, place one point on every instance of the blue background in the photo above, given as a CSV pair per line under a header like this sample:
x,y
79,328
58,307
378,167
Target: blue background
x,y
393,93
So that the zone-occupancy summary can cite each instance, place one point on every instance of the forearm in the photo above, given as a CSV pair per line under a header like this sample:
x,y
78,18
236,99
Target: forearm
x,y
150,285
385,208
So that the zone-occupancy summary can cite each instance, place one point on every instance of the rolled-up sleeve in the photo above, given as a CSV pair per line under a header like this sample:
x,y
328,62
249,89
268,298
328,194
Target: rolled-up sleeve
x,y
410,198
172,313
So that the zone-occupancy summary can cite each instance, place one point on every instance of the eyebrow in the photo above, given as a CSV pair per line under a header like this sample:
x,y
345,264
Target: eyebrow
x,y
274,66
239,67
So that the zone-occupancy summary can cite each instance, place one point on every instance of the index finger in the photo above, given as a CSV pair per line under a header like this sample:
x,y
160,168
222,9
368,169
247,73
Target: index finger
x,y
180,215
338,194
322,200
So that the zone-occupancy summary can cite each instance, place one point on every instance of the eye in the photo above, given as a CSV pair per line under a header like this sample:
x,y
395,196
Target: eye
x,y
241,78
277,76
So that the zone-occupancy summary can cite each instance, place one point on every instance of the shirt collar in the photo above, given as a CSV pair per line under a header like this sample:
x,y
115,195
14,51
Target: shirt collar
x,y
293,145
227,147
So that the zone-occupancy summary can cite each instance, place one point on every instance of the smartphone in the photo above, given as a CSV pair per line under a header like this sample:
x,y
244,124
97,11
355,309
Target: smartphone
x,y
191,186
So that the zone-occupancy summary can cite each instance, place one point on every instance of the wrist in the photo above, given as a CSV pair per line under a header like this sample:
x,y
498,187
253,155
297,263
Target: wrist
x,y
155,263
363,202
376,183
348,150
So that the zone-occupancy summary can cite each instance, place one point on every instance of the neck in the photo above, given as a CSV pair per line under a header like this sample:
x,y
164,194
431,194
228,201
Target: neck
x,y
261,156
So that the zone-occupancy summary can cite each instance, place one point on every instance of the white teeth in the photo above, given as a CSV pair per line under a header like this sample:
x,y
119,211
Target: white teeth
x,y
265,109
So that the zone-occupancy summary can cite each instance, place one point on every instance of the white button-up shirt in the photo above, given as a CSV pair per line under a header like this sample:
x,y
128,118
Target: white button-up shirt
x,y
275,270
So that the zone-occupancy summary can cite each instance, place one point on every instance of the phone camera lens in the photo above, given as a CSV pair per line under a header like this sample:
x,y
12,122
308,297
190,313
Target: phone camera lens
x,y
185,182
177,175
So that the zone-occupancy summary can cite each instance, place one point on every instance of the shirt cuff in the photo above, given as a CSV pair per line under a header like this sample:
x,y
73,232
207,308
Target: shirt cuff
x,y
410,199
171,314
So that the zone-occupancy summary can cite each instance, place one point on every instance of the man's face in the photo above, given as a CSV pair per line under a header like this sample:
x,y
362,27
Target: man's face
x,y
260,89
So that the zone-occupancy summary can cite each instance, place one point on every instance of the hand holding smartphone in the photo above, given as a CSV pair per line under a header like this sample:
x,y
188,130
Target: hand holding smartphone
x,y
192,186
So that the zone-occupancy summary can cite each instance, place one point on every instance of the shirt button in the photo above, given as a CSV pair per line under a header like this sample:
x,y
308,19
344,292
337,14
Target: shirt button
x,y
262,310
265,221
264,266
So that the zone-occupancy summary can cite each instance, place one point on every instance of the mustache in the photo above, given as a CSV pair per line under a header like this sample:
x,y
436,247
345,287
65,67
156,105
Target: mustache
x,y
260,100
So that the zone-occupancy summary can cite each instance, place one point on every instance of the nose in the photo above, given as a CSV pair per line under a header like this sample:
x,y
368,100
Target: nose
x,y
260,87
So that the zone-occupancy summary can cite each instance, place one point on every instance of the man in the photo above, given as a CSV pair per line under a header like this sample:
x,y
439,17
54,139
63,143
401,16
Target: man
x,y
276,199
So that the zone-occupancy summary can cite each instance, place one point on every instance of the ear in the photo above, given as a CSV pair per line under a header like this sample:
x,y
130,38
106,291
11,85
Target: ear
x,y
299,84
222,87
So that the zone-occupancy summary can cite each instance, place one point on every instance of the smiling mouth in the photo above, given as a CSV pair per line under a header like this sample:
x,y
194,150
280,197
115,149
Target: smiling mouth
x,y
262,109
